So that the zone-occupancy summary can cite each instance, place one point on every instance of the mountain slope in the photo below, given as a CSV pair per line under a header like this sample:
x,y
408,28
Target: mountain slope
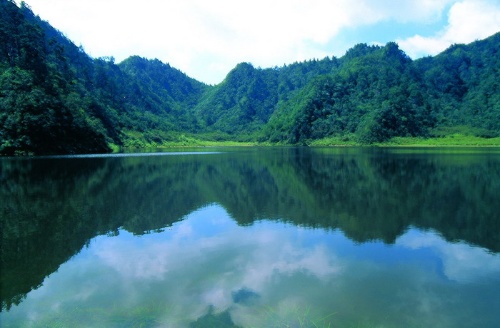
x,y
55,99
378,93
39,109
463,84
248,96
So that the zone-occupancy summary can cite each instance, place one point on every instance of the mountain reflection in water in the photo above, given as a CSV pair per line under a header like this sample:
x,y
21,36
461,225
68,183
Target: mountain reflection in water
x,y
256,234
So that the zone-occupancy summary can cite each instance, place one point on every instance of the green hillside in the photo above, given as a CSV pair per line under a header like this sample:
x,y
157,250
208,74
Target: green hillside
x,y
55,99
379,93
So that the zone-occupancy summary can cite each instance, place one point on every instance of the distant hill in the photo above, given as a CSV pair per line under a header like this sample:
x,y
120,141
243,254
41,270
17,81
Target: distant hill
x,y
55,99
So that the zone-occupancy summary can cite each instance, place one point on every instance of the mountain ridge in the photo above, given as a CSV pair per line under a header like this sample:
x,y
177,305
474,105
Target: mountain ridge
x,y
56,99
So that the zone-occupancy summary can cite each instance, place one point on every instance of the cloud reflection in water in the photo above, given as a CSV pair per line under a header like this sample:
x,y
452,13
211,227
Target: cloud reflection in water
x,y
269,272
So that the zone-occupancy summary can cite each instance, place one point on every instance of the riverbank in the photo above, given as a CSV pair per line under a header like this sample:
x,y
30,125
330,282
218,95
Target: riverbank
x,y
459,140
454,140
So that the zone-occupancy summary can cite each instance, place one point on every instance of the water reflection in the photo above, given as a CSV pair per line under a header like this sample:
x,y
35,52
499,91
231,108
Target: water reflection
x,y
207,269
52,207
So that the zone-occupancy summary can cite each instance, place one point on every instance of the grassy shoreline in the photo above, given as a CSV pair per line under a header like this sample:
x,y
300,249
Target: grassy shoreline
x,y
458,140
455,140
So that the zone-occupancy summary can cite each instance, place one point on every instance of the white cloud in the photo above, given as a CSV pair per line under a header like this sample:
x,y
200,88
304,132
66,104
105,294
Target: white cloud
x,y
201,261
461,262
206,39
231,260
468,20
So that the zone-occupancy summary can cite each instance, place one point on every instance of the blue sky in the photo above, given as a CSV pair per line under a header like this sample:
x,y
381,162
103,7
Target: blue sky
x,y
206,39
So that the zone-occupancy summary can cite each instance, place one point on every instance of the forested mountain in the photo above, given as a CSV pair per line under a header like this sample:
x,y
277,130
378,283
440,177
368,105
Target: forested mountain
x,y
375,94
244,102
56,99
378,93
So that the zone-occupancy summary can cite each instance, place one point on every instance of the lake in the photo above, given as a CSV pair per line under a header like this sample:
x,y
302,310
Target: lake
x,y
253,237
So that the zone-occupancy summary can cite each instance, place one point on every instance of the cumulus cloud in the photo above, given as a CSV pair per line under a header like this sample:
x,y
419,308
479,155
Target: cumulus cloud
x,y
231,260
461,262
468,20
202,261
206,39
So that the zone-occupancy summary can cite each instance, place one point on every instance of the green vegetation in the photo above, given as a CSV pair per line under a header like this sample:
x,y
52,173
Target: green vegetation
x,y
449,140
55,99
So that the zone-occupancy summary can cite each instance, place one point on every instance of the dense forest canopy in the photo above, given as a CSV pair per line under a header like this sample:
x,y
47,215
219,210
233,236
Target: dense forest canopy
x,y
55,99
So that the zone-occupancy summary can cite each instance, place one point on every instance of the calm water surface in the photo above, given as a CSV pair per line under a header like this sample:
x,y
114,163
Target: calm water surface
x,y
273,237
